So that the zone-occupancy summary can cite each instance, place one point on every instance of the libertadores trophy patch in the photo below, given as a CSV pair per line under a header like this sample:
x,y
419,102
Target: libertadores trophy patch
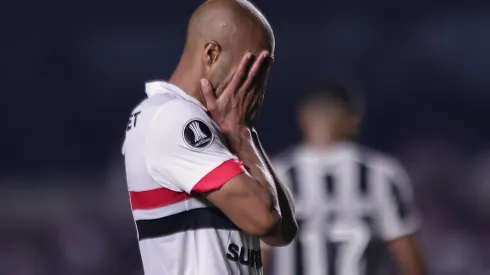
x,y
197,134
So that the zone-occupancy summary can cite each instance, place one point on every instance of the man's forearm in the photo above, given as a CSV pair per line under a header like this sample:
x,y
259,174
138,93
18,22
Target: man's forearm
x,y
248,148
288,227
243,146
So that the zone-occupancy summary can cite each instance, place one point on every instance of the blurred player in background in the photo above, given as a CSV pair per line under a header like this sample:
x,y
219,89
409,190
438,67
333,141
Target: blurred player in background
x,y
350,200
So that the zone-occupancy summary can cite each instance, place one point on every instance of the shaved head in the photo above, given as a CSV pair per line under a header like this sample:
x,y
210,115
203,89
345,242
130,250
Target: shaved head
x,y
218,34
234,24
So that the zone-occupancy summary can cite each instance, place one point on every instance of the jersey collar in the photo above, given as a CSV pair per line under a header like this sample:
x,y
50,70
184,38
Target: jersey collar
x,y
160,87
337,146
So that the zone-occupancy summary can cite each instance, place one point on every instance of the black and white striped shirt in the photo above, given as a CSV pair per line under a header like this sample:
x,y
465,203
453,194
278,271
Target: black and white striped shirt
x,y
349,201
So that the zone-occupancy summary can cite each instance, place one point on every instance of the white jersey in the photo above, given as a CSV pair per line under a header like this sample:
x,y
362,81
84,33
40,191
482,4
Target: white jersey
x,y
173,153
349,201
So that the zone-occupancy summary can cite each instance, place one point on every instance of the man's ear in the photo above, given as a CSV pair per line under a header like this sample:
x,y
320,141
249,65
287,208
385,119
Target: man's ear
x,y
212,51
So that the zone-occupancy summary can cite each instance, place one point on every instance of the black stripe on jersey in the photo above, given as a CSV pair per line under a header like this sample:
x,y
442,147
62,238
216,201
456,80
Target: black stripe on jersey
x,y
375,251
298,252
363,179
401,206
332,256
293,179
330,181
200,218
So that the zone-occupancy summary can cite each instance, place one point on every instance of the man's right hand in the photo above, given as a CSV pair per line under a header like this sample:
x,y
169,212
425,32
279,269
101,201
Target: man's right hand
x,y
247,199
237,108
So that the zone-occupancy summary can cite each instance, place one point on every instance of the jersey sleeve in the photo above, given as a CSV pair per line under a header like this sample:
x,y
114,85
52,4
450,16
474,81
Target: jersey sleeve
x,y
184,152
397,214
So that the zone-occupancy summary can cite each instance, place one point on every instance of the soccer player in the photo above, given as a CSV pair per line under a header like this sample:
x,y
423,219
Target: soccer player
x,y
202,190
350,200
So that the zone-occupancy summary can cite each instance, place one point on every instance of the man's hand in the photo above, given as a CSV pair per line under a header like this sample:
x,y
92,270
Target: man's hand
x,y
238,106
408,256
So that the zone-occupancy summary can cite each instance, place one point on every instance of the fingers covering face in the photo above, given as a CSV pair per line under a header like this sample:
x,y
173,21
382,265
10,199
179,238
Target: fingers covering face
x,y
255,70
244,90
208,94
240,73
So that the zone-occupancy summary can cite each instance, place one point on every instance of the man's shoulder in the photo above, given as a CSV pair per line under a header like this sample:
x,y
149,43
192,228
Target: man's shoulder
x,y
379,160
285,159
175,110
171,104
182,123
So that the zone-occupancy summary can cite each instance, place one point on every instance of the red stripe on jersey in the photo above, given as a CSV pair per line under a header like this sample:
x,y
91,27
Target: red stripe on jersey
x,y
160,197
155,198
219,176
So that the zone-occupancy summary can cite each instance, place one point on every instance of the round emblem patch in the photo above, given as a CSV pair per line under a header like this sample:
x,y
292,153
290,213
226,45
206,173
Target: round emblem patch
x,y
197,134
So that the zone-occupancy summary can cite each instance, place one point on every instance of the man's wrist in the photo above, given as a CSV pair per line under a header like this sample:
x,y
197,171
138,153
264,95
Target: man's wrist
x,y
238,137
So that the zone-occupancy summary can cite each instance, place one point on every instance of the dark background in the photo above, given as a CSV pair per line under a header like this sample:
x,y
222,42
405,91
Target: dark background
x,y
71,72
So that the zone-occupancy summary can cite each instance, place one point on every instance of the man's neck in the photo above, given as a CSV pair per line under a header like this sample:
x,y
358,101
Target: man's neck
x,y
325,143
189,81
